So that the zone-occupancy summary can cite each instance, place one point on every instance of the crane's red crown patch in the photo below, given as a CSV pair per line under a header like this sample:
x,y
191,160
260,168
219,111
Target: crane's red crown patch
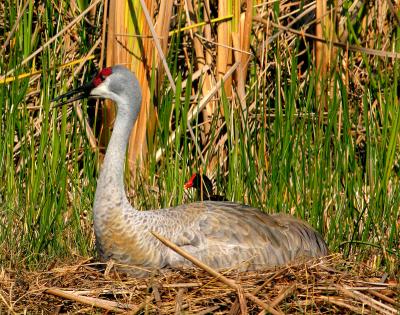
x,y
103,74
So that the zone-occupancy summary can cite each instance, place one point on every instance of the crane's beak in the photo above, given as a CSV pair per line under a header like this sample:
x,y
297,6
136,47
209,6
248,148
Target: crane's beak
x,y
74,95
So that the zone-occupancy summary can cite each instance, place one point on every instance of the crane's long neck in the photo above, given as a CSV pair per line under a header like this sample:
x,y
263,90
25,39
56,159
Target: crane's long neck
x,y
110,192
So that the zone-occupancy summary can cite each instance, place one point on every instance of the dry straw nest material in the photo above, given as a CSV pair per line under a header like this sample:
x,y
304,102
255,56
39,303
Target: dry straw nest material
x,y
324,286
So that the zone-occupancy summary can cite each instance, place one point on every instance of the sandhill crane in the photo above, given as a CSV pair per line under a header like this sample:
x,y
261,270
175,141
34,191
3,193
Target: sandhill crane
x,y
221,234
204,187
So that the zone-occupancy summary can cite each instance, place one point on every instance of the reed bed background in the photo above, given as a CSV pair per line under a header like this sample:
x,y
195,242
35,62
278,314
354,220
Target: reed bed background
x,y
285,133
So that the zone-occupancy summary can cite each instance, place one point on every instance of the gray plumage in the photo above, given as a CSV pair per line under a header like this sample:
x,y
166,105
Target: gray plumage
x,y
221,234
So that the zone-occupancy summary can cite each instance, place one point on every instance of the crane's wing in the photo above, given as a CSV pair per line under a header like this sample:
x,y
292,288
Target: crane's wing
x,y
223,234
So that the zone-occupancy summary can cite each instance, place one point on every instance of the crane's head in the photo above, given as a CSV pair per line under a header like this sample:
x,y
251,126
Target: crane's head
x,y
199,182
116,83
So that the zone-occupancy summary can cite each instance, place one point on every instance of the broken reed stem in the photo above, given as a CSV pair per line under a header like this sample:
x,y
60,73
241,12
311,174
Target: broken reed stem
x,y
178,301
235,308
216,274
281,296
377,306
9,306
337,301
242,300
157,296
96,302
141,306
100,303
209,310
384,297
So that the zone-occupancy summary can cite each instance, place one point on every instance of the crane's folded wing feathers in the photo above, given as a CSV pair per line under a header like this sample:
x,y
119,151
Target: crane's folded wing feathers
x,y
225,234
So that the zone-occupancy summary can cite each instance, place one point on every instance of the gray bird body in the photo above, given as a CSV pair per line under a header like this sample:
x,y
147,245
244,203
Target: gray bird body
x,y
221,234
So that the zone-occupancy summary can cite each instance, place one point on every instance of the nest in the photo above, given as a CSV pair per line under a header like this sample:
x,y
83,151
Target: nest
x,y
324,286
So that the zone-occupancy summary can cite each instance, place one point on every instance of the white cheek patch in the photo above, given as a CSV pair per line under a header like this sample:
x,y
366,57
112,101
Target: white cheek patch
x,y
101,90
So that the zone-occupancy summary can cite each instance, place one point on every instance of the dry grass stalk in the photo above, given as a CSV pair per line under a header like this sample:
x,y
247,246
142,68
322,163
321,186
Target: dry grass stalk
x,y
108,114
51,40
338,301
157,296
157,44
8,306
11,33
104,304
242,301
377,306
325,54
367,51
245,34
222,278
283,295
208,79
385,298
162,29
141,306
208,310
178,301
207,31
104,33
224,41
319,32
223,62
320,53
84,121
197,109
235,308
385,309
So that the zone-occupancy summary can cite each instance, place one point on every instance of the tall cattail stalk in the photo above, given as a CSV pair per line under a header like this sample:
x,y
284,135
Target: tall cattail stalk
x,y
325,53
